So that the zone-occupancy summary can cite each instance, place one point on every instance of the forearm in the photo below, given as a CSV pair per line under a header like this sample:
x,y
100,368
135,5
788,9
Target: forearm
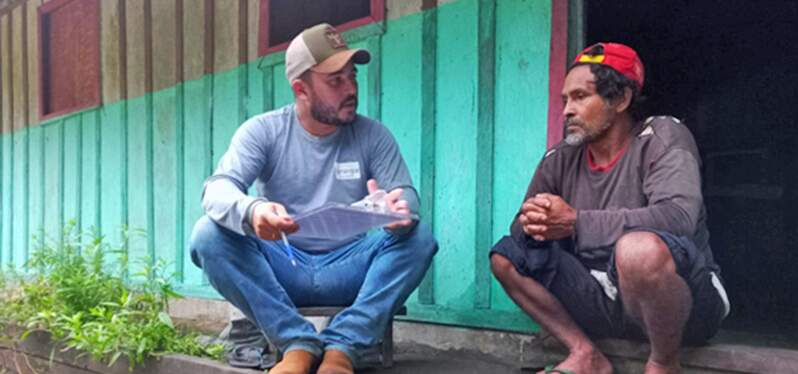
x,y
602,228
225,202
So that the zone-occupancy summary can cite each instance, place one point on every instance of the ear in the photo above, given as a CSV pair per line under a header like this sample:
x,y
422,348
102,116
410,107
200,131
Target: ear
x,y
624,102
300,89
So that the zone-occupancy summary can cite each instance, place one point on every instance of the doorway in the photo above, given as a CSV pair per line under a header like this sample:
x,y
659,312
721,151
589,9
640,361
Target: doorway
x,y
729,70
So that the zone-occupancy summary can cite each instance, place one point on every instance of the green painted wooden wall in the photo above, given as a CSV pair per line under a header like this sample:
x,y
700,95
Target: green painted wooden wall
x,y
463,87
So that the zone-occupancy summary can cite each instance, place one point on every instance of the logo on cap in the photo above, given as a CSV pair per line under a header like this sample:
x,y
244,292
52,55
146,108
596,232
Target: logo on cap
x,y
619,57
597,59
335,39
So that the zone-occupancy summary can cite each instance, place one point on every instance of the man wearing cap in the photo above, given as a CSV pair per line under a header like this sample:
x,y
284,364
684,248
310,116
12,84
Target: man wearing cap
x,y
611,239
312,152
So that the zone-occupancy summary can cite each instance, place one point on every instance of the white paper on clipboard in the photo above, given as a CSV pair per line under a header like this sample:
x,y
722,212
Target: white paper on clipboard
x,y
340,221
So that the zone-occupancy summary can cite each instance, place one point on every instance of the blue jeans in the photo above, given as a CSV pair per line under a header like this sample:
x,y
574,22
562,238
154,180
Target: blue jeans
x,y
373,276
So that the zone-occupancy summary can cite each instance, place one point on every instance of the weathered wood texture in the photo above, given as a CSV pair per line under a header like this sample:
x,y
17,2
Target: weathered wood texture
x,y
459,85
145,46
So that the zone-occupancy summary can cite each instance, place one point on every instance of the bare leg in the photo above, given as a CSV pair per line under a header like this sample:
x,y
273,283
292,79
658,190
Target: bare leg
x,y
539,303
655,295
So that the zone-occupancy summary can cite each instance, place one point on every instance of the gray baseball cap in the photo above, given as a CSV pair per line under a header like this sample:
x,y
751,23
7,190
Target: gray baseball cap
x,y
321,49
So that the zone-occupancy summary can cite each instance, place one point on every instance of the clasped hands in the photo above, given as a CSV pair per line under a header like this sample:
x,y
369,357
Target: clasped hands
x,y
271,218
547,217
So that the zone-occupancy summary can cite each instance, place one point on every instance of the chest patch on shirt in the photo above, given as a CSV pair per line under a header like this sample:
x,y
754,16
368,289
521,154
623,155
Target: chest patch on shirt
x,y
347,170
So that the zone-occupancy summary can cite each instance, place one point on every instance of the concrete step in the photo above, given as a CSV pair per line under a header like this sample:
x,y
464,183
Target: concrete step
x,y
430,348
630,357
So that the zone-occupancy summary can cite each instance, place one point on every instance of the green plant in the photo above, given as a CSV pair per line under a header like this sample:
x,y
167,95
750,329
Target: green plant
x,y
89,303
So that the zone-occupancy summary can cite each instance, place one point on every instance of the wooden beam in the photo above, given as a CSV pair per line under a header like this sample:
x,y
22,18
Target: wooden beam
x,y
19,68
227,43
374,46
194,40
164,47
558,63
253,29
6,71
426,290
136,48
110,54
486,83
32,56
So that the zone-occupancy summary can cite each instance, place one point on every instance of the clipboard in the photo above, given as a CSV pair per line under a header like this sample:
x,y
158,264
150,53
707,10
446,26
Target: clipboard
x,y
339,221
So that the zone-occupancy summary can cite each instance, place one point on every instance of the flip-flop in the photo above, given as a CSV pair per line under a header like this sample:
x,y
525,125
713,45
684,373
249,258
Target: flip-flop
x,y
551,369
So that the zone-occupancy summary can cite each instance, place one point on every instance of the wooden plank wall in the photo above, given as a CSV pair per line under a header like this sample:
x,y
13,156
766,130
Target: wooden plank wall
x,y
462,86
140,158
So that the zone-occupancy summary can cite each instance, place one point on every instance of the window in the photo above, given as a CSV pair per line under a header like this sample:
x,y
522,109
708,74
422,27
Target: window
x,y
69,65
281,20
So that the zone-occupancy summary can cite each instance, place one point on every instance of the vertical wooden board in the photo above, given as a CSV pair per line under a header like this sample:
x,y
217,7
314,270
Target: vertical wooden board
x,y
5,70
113,169
197,163
72,169
428,51
5,145
401,88
227,96
254,101
164,44
281,90
194,34
109,51
253,29
455,153
20,192
522,67
226,41
135,34
363,72
90,171
36,189
6,232
486,95
165,182
138,177
33,62
401,93
18,68
53,181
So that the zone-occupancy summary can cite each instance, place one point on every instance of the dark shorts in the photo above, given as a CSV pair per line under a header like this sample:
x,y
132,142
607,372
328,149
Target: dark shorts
x,y
588,301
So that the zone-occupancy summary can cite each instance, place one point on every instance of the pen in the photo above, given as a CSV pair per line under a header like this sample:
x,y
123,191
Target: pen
x,y
288,249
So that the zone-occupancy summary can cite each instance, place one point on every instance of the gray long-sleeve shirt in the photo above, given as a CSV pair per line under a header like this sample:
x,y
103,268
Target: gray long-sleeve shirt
x,y
301,171
656,183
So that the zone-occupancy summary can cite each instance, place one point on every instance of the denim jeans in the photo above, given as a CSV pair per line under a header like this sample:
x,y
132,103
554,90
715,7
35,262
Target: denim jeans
x,y
373,275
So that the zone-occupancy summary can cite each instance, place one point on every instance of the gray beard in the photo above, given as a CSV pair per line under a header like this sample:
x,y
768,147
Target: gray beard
x,y
581,137
575,138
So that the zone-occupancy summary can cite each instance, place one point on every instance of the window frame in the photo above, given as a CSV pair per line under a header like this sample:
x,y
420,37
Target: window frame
x,y
44,11
377,15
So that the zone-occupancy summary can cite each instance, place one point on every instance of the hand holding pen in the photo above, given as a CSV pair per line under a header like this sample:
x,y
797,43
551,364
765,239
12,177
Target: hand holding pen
x,y
271,221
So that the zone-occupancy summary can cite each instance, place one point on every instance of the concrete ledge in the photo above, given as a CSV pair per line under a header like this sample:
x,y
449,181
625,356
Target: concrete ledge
x,y
210,316
509,348
415,339
33,356
630,357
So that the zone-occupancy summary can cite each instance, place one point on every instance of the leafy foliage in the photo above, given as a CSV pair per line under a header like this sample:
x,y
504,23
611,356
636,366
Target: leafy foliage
x,y
89,302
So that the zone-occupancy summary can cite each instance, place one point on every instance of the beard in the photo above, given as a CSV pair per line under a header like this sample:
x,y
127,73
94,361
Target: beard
x,y
328,114
584,134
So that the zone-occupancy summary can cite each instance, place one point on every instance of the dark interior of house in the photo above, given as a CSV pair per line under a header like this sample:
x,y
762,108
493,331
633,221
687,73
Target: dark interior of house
x,y
727,68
